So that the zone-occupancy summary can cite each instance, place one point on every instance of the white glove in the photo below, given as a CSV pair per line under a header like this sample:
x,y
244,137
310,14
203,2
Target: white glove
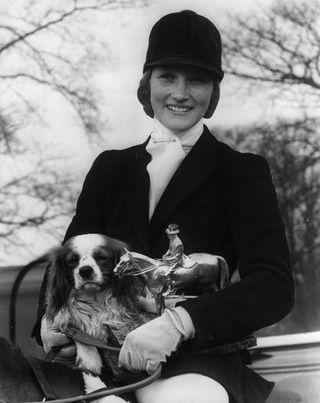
x,y
52,337
147,346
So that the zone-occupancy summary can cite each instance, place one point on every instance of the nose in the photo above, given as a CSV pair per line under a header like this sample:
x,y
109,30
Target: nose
x,y
85,271
180,90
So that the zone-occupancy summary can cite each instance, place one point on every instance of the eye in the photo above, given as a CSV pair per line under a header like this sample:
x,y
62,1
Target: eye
x,y
166,76
102,257
197,79
72,260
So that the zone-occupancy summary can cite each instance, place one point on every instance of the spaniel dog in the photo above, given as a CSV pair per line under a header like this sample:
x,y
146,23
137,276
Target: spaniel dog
x,y
83,293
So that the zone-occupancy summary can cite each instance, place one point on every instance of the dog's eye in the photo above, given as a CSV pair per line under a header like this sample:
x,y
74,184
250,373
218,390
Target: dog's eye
x,y
102,257
72,260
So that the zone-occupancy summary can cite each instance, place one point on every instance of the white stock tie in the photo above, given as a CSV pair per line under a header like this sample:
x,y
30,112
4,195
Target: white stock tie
x,y
167,151
167,154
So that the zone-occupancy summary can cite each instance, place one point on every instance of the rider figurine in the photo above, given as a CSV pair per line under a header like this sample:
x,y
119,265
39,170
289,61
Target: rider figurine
x,y
174,255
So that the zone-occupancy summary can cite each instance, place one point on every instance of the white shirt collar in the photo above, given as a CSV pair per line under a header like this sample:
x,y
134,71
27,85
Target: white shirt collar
x,y
187,138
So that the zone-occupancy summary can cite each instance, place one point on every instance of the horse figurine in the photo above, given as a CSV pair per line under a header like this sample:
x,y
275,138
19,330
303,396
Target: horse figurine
x,y
175,270
154,273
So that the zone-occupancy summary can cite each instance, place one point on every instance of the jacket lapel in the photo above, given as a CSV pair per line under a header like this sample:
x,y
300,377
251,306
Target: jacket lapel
x,y
133,182
195,168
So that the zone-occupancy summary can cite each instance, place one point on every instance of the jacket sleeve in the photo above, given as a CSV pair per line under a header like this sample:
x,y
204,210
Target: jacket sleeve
x,y
265,293
88,219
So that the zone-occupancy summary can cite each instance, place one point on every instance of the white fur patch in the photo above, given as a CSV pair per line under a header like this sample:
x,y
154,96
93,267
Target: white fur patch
x,y
87,243
92,383
88,358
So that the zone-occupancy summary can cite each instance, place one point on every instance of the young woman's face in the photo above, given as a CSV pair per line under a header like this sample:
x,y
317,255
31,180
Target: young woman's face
x,y
180,96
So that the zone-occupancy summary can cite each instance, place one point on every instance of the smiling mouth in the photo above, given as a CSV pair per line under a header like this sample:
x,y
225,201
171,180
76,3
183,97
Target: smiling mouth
x,y
175,108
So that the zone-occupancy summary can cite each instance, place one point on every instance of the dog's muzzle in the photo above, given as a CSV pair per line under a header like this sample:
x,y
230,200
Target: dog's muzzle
x,y
88,279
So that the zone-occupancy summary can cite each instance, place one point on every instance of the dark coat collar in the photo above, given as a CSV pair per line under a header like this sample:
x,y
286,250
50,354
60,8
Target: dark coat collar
x,y
133,181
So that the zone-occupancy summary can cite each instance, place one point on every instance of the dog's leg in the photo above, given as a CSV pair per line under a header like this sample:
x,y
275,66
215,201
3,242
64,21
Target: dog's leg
x,y
93,383
88,358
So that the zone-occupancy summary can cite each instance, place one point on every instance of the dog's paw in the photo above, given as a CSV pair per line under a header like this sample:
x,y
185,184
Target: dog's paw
x,y
88,358
93,383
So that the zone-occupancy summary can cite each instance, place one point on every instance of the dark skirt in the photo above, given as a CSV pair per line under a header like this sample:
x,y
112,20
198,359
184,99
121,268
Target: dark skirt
x,y
242,384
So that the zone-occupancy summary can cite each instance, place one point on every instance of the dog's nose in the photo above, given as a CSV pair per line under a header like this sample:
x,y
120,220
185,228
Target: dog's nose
x,y
85,271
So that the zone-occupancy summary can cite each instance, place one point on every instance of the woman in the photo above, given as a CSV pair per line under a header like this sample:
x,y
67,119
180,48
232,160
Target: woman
x,y
224,203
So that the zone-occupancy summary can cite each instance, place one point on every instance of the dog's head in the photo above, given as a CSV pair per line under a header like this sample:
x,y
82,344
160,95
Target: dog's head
x,y
83,265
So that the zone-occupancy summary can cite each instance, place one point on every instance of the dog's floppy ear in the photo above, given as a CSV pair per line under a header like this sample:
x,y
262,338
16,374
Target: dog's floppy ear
x,y
58,286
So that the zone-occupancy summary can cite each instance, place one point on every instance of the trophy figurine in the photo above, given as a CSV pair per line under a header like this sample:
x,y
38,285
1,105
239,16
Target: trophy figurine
x,y
174,255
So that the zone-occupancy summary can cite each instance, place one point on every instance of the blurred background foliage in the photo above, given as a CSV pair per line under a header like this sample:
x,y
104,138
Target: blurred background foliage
x,y
49,53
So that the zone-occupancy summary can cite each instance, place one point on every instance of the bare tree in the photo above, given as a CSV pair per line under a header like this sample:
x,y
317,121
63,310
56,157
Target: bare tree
x,y
33,200
278,47
46,44
50,47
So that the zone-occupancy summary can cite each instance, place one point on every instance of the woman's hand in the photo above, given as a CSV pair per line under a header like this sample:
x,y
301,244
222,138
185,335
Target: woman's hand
x,y
147,346
53,339
210,268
